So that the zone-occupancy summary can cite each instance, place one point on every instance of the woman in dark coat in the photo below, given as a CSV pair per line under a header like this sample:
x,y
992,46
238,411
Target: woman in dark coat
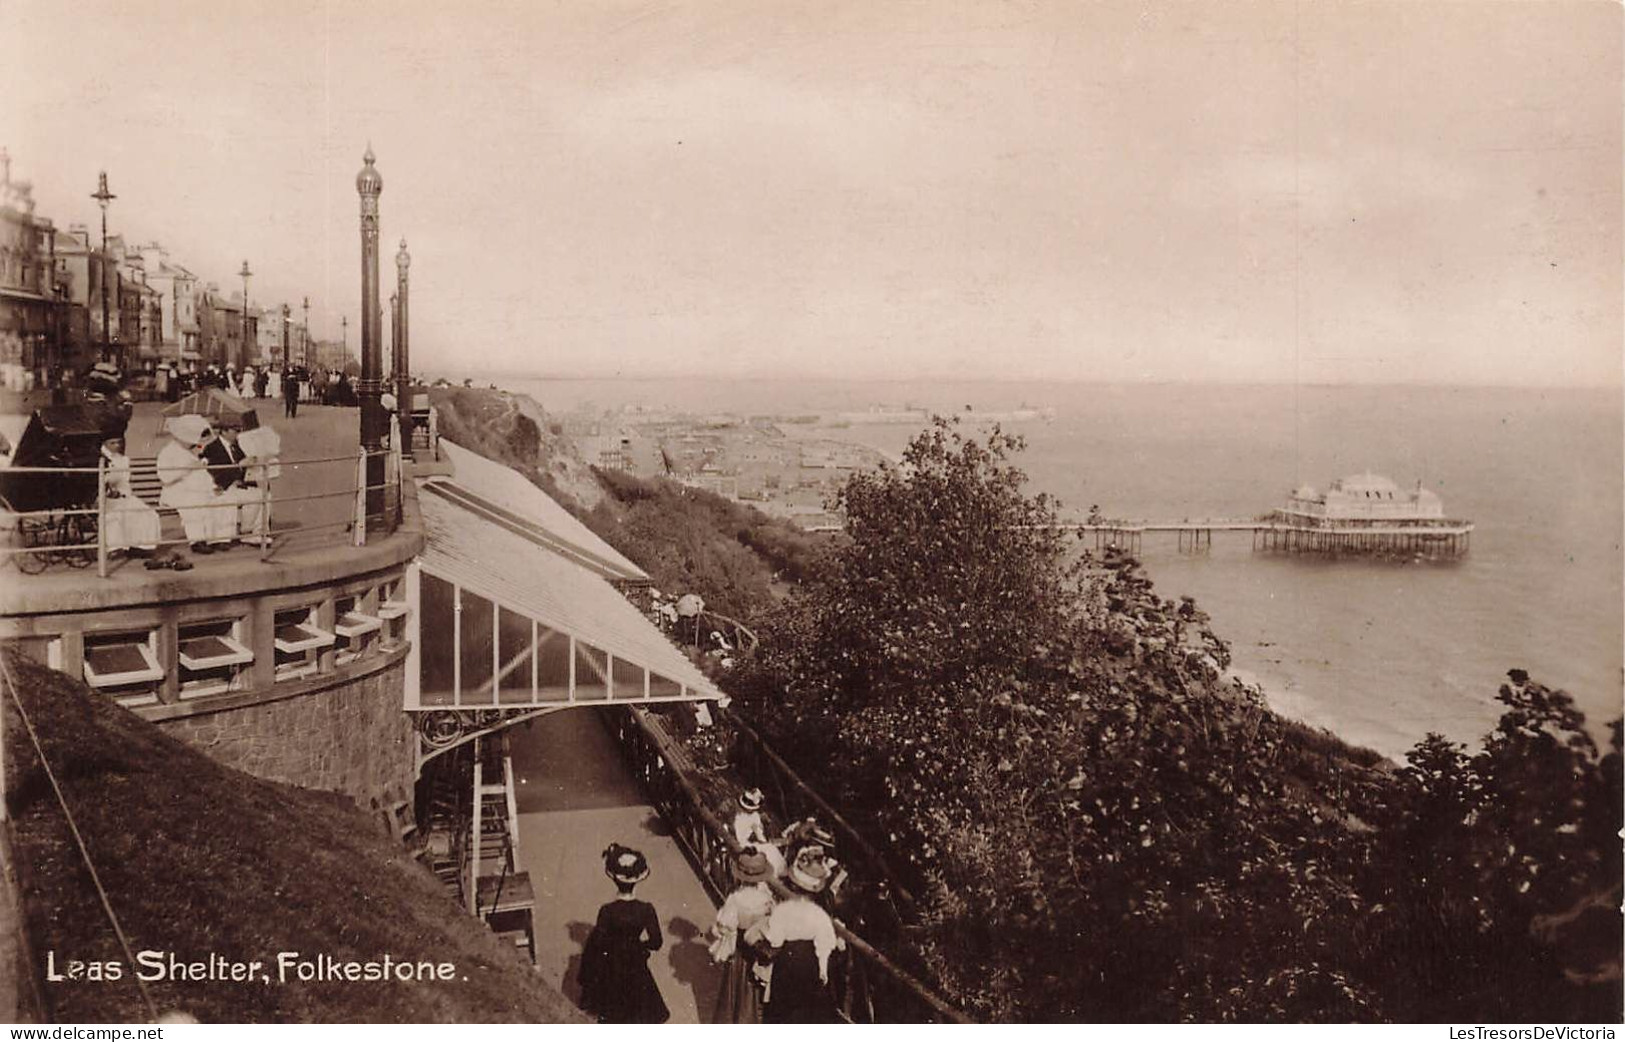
x,y
616,984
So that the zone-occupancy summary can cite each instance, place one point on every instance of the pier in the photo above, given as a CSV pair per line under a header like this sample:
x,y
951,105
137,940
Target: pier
x,y
1431,538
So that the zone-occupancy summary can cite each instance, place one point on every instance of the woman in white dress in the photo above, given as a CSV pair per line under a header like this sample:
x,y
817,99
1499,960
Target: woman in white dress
x,y
189,488
750,831
129,522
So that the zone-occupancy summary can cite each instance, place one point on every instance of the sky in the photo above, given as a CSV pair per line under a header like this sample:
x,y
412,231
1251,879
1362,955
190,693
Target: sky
x,y
1328,192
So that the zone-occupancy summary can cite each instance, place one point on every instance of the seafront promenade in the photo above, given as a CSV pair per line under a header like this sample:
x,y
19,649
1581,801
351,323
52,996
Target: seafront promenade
x,y
312,507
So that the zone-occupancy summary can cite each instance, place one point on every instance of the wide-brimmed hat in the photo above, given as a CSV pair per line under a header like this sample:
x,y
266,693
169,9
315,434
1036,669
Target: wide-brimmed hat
x,y
751,799
810,873
752,866
190,429
817,833
625,865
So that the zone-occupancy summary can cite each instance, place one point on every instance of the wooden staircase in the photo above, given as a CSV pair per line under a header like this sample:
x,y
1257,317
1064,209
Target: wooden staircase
x,y
471,838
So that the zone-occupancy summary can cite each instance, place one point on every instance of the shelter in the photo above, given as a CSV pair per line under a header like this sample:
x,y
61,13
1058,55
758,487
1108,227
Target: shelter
x,y
222,409
521,606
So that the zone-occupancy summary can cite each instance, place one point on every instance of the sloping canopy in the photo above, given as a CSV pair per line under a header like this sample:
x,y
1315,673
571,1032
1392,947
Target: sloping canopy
x,y
222,409
511,495
507,621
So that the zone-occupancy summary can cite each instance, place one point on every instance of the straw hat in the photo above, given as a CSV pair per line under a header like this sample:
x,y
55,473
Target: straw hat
x,y
751,799
752,866
625,865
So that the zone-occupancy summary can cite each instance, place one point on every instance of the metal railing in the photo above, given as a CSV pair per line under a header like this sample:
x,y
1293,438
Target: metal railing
x,y
867,986
75,534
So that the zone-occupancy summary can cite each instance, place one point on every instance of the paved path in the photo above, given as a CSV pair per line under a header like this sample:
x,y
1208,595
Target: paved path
x,y
575,798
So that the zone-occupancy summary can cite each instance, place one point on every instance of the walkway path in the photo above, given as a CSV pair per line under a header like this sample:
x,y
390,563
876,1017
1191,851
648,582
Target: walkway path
x,y
575,798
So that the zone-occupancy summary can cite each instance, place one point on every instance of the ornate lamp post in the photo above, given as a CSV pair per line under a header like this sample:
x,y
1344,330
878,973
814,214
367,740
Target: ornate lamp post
x,y
394,340
369,185
403,342
245,273
304,335
103,197
284,337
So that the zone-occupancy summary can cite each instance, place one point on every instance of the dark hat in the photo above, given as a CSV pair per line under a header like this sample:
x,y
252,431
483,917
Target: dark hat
x,y
752,866
625,865
751,799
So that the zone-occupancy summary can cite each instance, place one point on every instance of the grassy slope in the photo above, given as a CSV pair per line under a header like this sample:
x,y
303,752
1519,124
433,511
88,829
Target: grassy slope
x,y
201,859
689,541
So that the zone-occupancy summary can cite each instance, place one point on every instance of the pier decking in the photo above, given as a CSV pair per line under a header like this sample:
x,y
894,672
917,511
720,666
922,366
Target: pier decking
x,y
1428,538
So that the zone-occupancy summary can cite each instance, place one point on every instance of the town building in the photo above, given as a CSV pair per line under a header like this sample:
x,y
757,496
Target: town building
x,y
221,332
26,287
177,318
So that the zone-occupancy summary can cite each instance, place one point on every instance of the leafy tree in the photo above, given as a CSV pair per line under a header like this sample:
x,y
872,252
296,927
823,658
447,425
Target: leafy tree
x,y
1098,822
1499,870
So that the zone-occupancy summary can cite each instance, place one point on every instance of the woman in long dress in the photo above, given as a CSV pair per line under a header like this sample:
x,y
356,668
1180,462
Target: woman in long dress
x,y
616,985
802,937
130,523
750,831
189,489
738,929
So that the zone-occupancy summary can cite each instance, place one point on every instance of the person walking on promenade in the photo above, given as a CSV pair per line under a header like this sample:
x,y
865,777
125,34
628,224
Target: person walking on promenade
x,y
616,985
802,937
290,393
750,831
738,929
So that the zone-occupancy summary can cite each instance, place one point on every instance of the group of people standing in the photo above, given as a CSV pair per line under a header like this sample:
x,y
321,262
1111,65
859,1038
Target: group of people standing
x,y
774,942
294,384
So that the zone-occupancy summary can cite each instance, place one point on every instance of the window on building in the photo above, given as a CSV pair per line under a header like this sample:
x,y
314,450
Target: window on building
x,y
212,657
299,643
355,630
124,666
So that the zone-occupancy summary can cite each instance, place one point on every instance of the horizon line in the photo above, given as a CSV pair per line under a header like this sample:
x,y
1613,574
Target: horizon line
x,y
567,377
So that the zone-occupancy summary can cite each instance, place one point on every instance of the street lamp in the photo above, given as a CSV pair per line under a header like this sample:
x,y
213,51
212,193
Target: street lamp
x,y
103,197
304,335
245,273
284,338
369,184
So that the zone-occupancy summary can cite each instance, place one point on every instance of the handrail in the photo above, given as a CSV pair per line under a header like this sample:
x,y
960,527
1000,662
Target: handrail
x,y
95,550
868,986
778,769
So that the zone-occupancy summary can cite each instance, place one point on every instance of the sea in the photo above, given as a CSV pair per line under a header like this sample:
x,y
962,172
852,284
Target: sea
x,y
1381,652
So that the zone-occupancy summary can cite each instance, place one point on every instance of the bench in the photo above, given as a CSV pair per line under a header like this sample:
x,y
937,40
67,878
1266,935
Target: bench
x,y
147,488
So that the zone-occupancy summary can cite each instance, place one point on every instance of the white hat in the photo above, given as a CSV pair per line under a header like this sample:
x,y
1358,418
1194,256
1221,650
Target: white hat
x,y
190,429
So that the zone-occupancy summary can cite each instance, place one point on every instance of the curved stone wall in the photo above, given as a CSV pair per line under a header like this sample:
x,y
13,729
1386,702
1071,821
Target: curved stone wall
x,y
349,736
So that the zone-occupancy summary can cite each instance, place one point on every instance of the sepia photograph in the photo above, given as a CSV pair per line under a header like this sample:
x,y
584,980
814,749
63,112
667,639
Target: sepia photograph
x,y
976,512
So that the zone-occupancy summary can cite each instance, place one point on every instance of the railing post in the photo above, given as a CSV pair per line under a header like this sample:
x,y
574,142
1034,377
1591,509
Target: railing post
x,y
265,507
101,516
359,525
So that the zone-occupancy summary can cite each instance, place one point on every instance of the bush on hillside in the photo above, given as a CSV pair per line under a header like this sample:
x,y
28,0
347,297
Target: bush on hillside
x,y
1100,826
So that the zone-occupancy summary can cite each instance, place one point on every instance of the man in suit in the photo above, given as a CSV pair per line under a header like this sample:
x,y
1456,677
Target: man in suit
x,y
226,459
